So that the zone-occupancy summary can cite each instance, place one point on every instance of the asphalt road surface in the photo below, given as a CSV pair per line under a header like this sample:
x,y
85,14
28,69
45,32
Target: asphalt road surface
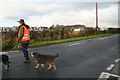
x,y
79,59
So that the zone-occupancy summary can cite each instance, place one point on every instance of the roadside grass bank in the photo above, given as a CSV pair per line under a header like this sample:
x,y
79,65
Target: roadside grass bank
x,y
34,43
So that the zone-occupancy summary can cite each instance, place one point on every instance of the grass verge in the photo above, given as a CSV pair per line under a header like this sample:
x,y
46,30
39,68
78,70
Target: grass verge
x,y
45,43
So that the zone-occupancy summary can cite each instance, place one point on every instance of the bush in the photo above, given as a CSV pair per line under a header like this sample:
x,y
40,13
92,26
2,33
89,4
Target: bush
x,y
38,34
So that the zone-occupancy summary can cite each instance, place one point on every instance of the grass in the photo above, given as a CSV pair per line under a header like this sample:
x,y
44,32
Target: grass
x,y
45,43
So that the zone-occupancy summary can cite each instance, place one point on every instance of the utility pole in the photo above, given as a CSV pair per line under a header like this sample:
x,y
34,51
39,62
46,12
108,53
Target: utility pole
x,y
96,17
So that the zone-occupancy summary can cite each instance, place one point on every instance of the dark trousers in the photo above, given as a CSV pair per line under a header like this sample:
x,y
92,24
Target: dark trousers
x,y
24,49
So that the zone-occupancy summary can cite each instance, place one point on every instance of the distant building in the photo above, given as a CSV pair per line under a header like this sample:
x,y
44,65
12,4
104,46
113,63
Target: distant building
x,y
77,27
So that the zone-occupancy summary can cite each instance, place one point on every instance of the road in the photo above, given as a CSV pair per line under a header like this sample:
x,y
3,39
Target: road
x,y
79,59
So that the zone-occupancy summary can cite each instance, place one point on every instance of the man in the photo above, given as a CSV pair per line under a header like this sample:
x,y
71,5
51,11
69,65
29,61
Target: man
x,y
23,38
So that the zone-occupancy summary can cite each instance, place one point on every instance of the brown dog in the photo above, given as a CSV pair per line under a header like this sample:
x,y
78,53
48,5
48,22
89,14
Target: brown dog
x,y
44,59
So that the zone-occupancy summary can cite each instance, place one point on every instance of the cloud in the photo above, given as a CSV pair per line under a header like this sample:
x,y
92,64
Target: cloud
x,y
109,17
59,0
66,17
23,9
47,14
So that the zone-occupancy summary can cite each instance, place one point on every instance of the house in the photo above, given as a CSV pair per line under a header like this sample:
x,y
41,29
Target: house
x,y
76,27
79,27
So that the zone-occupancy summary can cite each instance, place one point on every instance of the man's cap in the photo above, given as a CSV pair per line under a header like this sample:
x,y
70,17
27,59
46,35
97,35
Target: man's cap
x,y
21,20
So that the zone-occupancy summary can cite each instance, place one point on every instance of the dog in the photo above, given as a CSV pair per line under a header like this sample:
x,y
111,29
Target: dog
x,y
5,60
44,59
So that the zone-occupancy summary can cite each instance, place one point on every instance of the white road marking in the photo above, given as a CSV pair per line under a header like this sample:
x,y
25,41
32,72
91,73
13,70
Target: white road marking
x,y
107,75
117,60
103,38
3,53
11,51
74,44
110,67
104,75
8,52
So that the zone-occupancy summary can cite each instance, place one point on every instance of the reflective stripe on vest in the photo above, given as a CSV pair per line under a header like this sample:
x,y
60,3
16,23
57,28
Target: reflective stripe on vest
x,y
26,35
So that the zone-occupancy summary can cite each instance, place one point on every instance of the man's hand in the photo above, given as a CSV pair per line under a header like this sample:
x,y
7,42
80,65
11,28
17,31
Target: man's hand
x,y
18,45
18,42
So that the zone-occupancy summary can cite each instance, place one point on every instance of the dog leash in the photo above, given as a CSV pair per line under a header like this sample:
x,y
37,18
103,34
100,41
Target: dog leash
x,y
18,45
13,48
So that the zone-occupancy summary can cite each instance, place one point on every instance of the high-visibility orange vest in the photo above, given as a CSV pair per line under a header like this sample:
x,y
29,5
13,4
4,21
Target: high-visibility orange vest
x,y
26,35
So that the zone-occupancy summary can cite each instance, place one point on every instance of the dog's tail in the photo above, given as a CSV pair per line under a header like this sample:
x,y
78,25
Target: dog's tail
x,y
57,55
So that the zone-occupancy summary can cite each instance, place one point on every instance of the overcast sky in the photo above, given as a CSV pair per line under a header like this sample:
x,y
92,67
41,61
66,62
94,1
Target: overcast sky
x,y
64,13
